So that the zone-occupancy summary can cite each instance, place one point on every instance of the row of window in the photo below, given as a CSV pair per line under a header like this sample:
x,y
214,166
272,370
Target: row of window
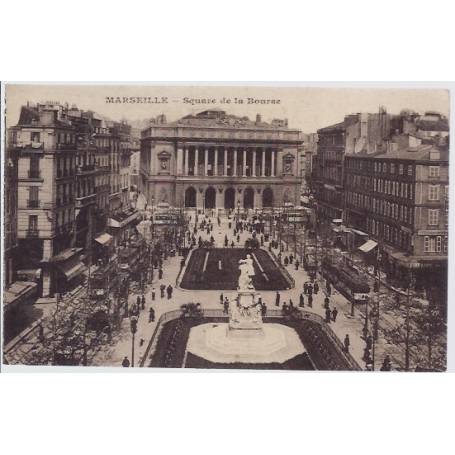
x,y
381,167
391,234
434,244
393,188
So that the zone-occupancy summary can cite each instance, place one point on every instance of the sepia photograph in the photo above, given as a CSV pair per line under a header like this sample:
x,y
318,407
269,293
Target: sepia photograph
x,y
226,227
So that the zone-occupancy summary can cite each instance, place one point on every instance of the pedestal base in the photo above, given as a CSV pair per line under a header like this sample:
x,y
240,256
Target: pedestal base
x,y
220,344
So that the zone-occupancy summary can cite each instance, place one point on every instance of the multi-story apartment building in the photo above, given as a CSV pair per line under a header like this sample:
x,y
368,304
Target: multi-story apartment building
x,y
46,144
68,186
328,167
10,214
400,198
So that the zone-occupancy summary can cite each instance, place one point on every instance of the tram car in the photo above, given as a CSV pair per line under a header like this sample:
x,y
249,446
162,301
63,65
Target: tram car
x,y
347,281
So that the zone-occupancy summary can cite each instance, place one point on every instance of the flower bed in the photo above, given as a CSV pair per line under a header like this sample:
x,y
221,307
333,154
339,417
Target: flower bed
x,y
226,278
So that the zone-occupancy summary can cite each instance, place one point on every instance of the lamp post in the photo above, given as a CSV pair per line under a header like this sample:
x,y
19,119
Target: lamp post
x,y
238,210
133,322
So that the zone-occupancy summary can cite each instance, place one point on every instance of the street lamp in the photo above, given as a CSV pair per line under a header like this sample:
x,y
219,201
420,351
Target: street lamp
x,y
133,322
238,210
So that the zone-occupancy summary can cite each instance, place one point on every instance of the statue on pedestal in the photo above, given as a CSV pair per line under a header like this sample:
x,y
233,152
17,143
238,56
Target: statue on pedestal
x,y
246,273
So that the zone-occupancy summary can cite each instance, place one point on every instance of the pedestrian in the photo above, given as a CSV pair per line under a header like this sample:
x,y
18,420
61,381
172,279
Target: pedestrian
x,y
143,302
329,288
286,261
297,263
126,362
153,293
221,298
264,309
310,289
301,300
285,308
326,302
151,315
291,259
232,244
169,292
226,306
346,343
182,263
138,302
238,238
160,274
334,314
316,287
291,304
369,342
162,289
277,299
305,288
328,315
386,364
310,300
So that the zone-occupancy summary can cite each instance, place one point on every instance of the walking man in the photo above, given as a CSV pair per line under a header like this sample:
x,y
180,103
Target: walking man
x,y
143,302
301,300
334,314
153,293
347,343
162,289
277,299
169,292
151,315
160,273
328,315
126,362
316,287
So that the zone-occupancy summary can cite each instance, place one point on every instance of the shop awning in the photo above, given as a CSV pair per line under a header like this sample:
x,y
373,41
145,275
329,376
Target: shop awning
x,y
18,292
104,239
119,221
368,246
71,268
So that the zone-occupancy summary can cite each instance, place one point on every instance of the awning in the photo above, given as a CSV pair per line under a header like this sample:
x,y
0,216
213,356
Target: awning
x,y
71,268
360,233
368,246
18,292
119,223
104,239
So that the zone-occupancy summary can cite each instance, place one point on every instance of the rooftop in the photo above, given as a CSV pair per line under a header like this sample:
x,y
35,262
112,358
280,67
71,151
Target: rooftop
x,y
419,153
219,118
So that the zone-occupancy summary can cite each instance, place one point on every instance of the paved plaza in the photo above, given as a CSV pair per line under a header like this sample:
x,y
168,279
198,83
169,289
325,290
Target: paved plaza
x,y
114,354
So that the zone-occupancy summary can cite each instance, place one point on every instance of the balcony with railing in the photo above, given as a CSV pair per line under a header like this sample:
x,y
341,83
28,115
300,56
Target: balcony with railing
x,y
32,232
84,201
86,169
33,203
34,174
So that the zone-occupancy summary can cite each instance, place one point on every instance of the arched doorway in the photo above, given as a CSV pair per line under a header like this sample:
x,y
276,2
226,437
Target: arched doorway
x,y
267,198
190,197
248,198
229,198
210,198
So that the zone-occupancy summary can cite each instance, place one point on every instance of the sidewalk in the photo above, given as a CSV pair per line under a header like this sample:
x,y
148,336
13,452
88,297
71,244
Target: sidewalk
x,y
122,344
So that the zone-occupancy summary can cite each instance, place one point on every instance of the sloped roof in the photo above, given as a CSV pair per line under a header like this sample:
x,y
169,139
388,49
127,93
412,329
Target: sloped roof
x,y
335,127
419,153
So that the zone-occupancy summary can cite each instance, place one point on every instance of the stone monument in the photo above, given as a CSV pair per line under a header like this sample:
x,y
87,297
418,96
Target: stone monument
x,y
245,314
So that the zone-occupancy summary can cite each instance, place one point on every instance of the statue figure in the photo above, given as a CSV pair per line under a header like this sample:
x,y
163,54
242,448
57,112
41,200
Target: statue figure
x,y
246,273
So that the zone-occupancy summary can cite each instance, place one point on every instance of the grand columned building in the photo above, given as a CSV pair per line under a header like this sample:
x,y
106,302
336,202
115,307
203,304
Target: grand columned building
x,y
212,160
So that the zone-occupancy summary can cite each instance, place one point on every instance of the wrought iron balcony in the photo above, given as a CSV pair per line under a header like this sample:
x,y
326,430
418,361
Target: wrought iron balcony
x,y
33,203
32,232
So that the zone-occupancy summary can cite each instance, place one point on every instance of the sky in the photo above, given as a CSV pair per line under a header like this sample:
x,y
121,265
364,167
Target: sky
x,y
306,108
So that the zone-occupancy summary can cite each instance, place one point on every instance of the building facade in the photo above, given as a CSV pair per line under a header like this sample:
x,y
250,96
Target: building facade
x,y
400,199
213,160
65,161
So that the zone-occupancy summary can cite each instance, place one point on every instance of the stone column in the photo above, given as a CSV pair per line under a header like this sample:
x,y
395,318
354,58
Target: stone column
x,y
253,173
186,160
196,160
225,156
235,163
263,163
215,171
244,163
206,162
179,161
272,157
